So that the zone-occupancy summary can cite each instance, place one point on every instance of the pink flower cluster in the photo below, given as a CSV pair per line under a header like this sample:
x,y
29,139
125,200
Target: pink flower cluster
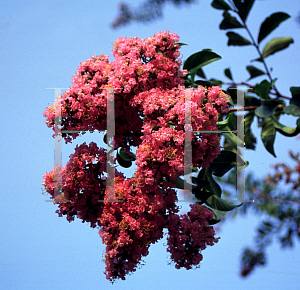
x,y
83,184
189,235
146,80
139,65
128,228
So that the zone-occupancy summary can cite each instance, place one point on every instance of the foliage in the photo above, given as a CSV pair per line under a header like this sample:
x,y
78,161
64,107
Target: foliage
x,y
263,102
148,11
279,207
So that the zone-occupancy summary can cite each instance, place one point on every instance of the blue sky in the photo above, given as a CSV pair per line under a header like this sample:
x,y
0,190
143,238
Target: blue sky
x,y
42,44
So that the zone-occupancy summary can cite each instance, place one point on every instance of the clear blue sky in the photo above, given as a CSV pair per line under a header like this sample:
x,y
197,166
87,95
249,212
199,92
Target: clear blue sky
x,y
42,43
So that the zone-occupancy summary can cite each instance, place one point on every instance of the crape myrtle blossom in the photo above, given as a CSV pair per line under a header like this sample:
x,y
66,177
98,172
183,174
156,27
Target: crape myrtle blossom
x,y
139,65
83,184
189,234
149,113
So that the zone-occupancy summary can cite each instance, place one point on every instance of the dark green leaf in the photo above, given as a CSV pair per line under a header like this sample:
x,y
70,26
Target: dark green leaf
x,y
203,83
180,183
126,156
228,74
232,124
249,138
295,91
267,108
270,24
262,89
202,196
254,72
208,83
212,186
243,7
236,39
201,73
284,130
123,163
220,4
105,139
220,204
233,93
181,44
268,134
251,101
214,220
292,110
229,146
123,158
232,138
198,60
257,59
225,161
275,45
229,22
222,124
215,82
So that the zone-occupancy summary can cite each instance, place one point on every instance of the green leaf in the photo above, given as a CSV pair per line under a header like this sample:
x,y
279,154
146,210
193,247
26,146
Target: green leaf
x,y
220,204
220,4
267,108
236,39
212,186
295,91
181,44
105,139
225,161
270,24
126,156
215,82
202,196
229,146
123,163
229,22
214,220
195,169
222,124
249,138
232,138
268,134
244,7
232,91
292,110
201,73
251,101
262,89
275,45
231,125
284,130
198,60
179,183
272,84
257,59
254,72
203,83
228,74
